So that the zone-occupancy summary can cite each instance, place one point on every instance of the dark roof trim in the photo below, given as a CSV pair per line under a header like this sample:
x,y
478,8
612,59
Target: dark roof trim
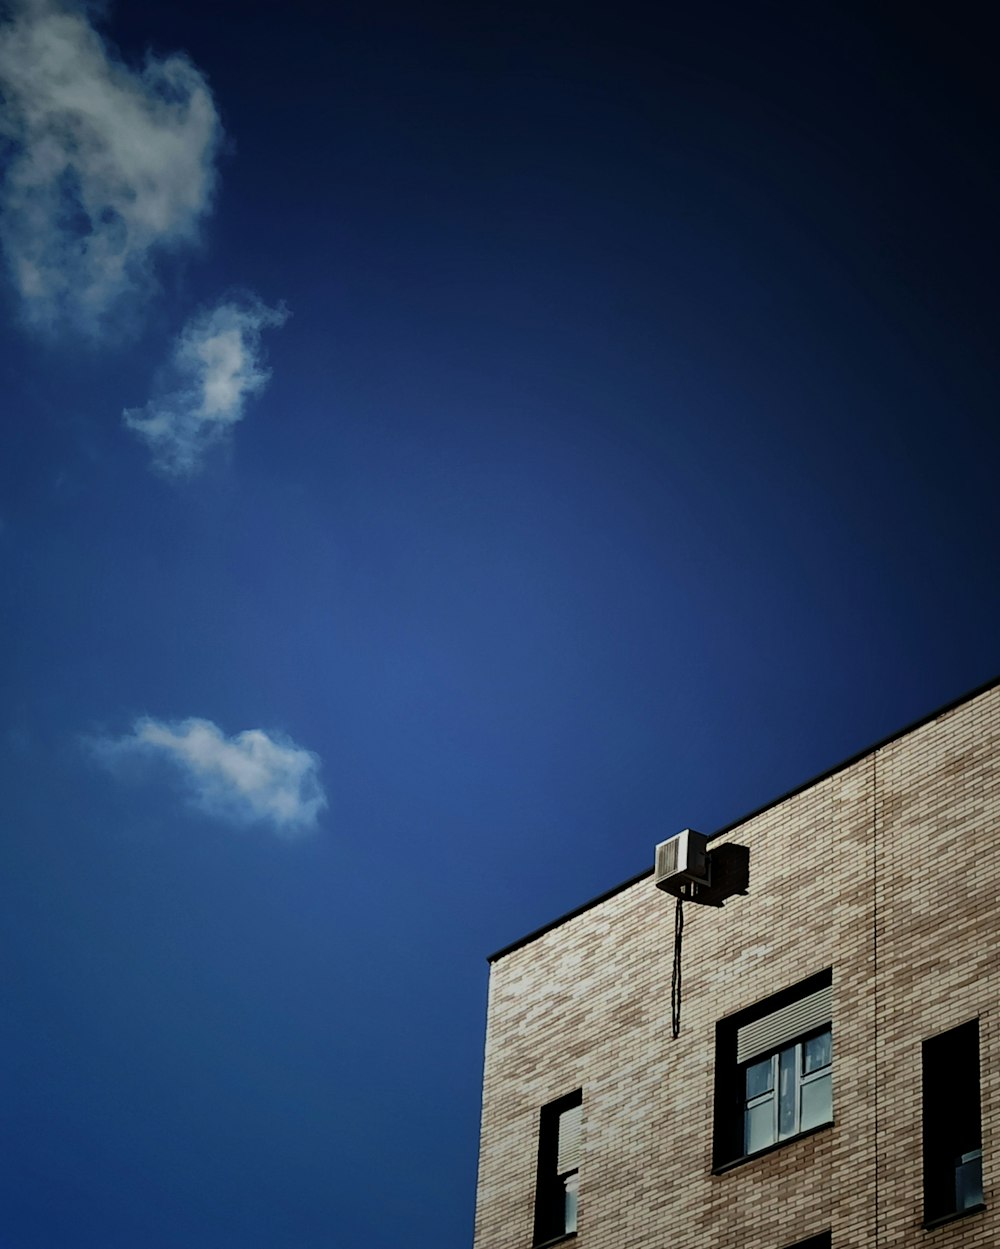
x,y
728,828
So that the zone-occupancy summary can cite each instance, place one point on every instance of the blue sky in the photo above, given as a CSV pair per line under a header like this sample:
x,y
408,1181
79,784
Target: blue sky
x,y
447,450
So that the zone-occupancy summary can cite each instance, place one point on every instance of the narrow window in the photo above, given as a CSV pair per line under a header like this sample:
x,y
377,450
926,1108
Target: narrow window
x,y
953,1143
557,1185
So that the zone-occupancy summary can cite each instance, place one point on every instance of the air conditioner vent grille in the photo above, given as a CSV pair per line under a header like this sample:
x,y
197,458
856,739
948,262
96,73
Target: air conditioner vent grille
x,y
666,857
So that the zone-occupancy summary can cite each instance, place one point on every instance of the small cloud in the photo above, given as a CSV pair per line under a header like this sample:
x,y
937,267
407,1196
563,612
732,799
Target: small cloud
x,y
253,777
107,166
217,364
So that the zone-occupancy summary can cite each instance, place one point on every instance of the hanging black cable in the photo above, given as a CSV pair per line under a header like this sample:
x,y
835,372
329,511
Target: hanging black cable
x,y
675,979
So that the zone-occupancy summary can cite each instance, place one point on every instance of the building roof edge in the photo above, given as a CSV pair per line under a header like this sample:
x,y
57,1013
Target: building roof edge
x,y
774,802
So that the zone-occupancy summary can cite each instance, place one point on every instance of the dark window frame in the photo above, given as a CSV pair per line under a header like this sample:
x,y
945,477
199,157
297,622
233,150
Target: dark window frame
x,y
823,1240
730,1101
951,1095
550,1183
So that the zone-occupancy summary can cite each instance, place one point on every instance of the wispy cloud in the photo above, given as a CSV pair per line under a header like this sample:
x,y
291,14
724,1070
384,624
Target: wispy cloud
x,y
253,777
217,364
107,166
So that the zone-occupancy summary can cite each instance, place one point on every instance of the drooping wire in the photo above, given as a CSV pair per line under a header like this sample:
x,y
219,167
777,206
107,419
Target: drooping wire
x,y
675,979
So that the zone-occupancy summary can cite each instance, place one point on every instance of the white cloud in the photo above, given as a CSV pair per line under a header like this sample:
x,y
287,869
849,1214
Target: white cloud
x,y
253,777
217,365
107,166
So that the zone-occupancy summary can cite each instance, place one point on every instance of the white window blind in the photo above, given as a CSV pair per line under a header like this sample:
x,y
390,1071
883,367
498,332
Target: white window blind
x,y
570,1139
763,1036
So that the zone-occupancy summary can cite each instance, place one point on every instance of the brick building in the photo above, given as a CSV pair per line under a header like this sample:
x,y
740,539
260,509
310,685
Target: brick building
x,y
835,1080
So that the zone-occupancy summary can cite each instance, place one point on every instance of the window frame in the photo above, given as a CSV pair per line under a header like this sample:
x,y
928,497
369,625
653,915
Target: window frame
x,y
801,1079
951,1120
729,1132
556,1191
822,1240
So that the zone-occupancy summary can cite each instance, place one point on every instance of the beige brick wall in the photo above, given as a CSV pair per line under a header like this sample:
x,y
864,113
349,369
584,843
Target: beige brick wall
x,y
888,872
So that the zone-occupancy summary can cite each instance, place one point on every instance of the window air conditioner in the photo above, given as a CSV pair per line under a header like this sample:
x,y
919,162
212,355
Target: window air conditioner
x,y
682,861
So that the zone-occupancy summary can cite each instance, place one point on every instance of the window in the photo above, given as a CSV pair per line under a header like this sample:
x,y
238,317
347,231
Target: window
x,y
774,1071
557,1186
788,1092
822,1241
953,1143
